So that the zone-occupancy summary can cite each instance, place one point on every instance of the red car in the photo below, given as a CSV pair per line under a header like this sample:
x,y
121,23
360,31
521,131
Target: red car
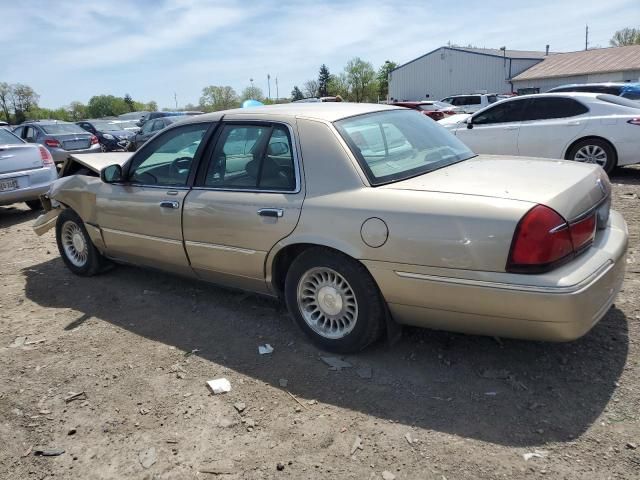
x,y
435,110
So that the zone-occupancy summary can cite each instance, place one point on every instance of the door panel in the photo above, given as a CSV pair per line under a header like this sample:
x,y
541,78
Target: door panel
x,y
549,124
495,130
249,199
137,229
141,219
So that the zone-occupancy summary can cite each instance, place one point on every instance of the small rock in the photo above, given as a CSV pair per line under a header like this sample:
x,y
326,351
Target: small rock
x,y
72,431
298,409
148,457
280,466
18,342
335,363
240,406
144,411
631,446
47,452
409,438
387,475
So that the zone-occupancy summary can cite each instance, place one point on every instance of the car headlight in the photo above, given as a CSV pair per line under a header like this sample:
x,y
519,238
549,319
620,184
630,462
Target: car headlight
x,y
108,136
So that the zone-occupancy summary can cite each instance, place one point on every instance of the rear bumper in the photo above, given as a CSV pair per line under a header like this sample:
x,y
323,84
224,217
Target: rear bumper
x,y
559,306
36,182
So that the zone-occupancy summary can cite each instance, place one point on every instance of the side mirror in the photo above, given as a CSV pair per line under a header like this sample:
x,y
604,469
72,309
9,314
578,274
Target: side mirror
x,y
469,122
111,174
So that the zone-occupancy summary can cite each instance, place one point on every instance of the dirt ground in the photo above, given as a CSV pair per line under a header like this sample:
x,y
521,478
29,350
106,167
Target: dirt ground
x,y
141,346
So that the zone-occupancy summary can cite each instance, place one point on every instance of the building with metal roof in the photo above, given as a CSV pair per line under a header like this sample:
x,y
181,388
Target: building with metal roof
x,y
449,71
615,64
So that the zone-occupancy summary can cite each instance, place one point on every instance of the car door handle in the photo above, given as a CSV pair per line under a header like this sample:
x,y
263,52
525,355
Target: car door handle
x,y
169,204
271,212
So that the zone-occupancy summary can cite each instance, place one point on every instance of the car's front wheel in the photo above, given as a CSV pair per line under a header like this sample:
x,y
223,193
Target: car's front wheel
x,y
75,246
334,300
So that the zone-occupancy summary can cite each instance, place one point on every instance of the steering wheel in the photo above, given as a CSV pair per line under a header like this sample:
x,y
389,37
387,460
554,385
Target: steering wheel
x,y
180,166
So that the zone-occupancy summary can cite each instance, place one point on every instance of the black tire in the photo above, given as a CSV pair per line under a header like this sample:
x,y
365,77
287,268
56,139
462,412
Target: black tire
x,y
34,205
93,262
370,310
612,158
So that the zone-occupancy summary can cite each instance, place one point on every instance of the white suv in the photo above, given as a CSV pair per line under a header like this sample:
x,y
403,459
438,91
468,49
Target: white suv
x,y
473,102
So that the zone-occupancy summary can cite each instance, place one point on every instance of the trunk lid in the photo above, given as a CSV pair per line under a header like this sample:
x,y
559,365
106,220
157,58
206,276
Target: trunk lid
x,y
74,141
16,158
570,188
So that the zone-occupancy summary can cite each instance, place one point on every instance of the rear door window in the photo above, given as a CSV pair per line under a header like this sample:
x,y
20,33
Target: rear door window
x,y
252,157
492,98
550,108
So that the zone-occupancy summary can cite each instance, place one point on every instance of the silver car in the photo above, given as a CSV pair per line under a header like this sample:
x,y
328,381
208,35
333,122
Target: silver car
x,y
26,171
60,138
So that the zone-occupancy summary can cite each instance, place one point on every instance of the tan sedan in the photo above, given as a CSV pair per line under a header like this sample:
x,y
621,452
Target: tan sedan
x,y
356,215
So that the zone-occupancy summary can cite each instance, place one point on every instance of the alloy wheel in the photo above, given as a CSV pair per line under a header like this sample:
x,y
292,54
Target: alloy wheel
x,y
74,243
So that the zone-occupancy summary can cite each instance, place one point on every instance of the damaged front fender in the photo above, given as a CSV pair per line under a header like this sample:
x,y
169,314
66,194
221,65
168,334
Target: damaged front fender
x,y
46,221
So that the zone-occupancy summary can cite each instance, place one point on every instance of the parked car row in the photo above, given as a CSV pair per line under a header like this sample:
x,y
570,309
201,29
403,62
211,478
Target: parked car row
x,y
585,127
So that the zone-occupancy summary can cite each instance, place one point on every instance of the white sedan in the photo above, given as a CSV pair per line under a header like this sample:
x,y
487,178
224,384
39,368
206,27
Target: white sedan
x,y
586,127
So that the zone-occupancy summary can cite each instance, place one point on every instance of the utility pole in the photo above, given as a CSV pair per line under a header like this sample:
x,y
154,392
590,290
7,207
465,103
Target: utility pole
x,y
586,38
269,86
277,94
175,98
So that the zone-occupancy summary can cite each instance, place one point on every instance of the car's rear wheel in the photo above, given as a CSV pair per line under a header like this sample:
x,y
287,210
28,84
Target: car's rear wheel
x,y
334,300
594,150
34,204
75,246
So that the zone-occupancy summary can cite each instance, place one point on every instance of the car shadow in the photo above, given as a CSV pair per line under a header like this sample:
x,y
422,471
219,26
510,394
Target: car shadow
x,y
628,175
507,392
10,216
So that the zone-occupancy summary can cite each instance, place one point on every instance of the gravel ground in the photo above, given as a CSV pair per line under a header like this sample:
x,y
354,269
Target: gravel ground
x,y
141,346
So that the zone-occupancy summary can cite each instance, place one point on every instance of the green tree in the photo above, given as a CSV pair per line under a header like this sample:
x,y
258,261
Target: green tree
x,y
130,103
252,93
383,78
216,98
362,79
23,99
106,106
151,106
5,100
339,85
626,36
323,81
77,111
296,94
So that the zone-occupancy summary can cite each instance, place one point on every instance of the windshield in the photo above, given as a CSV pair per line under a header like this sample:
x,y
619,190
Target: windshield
x,y
8,138
399,144
62,128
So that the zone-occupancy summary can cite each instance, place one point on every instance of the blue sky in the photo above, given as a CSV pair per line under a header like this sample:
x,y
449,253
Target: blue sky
x,y
70,50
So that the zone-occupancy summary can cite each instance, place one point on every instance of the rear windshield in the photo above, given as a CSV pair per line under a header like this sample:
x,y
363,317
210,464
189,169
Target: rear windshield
x,y
8,138
400,144
625,102
62,128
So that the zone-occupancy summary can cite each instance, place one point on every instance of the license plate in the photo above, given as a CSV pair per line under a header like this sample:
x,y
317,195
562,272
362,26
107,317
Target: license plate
x,y
8,184
76,144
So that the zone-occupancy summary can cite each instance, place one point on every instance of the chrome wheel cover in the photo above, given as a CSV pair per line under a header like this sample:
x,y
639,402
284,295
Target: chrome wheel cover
x,y
74,243
591,154
327,303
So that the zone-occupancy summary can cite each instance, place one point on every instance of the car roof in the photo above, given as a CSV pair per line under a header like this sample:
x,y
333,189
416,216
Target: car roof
x,y
326,111
600,84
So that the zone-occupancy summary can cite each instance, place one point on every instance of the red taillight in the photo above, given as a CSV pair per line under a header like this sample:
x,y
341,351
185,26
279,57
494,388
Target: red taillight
x,y
634,121
543,239
52,142
582,232
94,139
47,159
